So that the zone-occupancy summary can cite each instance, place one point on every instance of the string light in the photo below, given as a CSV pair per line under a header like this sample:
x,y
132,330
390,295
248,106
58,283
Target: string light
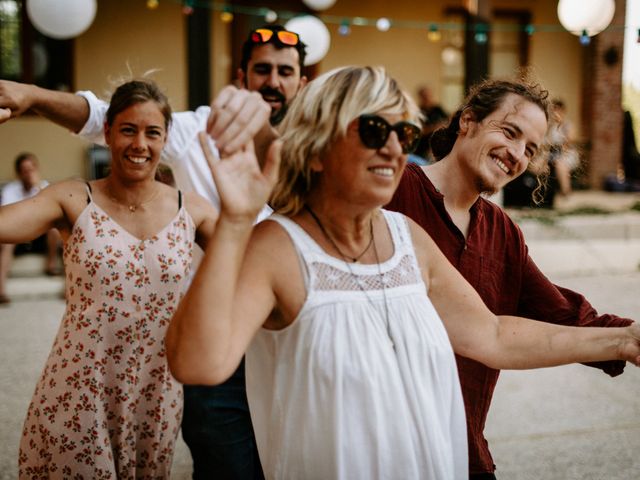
x,y
187,9
434,29
226,16
344,29
585,39
481,36
270,16
383,24
434,35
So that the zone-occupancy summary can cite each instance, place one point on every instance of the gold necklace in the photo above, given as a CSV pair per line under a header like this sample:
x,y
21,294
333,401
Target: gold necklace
x,y
133,207
354,276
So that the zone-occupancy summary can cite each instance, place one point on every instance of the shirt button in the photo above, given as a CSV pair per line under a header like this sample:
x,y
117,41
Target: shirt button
x,y
139,308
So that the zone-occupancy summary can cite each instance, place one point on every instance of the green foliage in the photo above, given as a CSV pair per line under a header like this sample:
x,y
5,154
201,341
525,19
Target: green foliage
x,y
10,57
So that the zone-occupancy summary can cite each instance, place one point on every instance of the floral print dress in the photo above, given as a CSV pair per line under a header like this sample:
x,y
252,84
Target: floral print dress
x,y
106,405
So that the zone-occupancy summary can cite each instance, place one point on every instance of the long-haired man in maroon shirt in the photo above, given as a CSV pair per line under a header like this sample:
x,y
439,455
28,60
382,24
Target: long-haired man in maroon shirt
x,y
488,142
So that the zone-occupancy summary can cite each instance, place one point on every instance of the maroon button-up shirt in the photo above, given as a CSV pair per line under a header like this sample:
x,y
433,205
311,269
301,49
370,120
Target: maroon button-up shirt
x,y
495,261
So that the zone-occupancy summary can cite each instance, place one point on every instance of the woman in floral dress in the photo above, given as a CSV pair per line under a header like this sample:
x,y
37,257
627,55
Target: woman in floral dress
x,y
106,405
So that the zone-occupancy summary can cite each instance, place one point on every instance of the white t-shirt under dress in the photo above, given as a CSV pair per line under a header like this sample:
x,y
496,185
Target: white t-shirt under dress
x,y
339,394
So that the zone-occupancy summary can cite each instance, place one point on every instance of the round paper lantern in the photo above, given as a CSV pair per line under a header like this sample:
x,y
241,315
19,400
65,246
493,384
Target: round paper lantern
x,y
63,18
319,4
591,16
315,35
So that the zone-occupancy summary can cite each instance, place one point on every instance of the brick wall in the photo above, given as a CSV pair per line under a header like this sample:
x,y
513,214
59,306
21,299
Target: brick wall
x,y
602,98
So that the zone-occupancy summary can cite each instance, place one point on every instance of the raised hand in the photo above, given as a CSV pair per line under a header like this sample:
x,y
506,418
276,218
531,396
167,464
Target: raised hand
x,y
236,118
243,186
14,99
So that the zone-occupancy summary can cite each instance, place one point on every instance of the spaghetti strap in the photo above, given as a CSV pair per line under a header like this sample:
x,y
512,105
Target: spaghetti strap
x,y
179,199
89,192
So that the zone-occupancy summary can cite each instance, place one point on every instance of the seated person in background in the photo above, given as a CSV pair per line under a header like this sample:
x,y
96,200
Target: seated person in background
x,y
28,184
563,155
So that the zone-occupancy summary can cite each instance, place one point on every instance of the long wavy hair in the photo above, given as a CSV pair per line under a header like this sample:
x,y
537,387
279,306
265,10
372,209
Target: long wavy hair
x,y
484,99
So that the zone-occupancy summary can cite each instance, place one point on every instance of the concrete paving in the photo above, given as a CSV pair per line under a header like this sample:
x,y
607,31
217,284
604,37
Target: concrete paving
x,y
562,423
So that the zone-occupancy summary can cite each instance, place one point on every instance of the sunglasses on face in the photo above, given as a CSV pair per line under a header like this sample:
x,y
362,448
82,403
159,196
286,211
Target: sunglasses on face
x,y
264,35
374,132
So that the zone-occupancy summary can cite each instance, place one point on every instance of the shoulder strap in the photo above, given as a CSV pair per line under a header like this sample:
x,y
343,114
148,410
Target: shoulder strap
x,y
89,191
179,199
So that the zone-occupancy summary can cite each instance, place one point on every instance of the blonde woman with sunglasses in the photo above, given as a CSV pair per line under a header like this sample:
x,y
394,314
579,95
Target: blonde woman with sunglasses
x,y
349,314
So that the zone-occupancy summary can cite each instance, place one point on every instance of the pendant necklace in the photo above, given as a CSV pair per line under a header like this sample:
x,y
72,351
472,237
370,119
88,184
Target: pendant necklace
x,y
133,207
353,275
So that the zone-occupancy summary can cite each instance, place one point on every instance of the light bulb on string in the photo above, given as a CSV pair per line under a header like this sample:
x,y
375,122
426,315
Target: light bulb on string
x,y
344,29
434,35
481,36
152,4
270,16
585,39
383,24
226,16
187,8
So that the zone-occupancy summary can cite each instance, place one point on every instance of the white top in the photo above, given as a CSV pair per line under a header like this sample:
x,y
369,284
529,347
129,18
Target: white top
x,y
338,395
14,192
182,153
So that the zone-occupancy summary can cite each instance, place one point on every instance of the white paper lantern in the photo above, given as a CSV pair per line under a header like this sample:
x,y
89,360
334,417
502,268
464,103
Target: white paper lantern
x,y
61,19
315,35
592,16
318,5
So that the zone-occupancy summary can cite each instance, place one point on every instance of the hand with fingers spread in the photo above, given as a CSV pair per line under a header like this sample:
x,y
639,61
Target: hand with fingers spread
x,y
243,186
237,116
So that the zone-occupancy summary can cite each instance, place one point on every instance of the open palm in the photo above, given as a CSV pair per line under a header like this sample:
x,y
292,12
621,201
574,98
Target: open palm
x,y
243,186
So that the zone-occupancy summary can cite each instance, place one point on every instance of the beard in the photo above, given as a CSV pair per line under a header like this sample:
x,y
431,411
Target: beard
x,y
276,115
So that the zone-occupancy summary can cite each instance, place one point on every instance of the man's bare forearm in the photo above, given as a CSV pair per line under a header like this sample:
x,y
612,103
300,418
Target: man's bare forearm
x,y
65,109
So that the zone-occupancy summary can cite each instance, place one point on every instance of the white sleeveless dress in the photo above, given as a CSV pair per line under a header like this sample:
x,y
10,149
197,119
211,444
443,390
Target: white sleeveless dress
x,y
339,394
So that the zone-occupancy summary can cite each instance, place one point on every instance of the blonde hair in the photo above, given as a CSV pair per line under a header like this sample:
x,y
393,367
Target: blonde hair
x,y
320,114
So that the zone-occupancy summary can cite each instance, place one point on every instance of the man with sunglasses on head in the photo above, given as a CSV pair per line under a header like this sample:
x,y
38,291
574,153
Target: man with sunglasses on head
x,y
488,142
271,64
216,422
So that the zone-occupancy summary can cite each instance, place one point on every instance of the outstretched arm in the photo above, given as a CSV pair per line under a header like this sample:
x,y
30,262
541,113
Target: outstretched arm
x,y
507,342
231,295
23,221
66,109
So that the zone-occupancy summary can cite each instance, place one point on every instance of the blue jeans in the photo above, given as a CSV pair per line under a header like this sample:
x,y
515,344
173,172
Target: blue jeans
x,y
216,427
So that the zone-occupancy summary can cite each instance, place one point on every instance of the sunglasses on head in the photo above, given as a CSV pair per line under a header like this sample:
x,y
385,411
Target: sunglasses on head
x,y
374,132
264,35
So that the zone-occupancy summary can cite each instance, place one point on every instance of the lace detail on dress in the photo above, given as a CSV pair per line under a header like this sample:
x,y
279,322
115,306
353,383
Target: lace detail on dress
x,y
330,278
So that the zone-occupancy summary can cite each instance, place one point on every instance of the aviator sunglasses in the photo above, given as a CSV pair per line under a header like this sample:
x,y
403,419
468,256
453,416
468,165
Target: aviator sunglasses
x,y
374,132
264,35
